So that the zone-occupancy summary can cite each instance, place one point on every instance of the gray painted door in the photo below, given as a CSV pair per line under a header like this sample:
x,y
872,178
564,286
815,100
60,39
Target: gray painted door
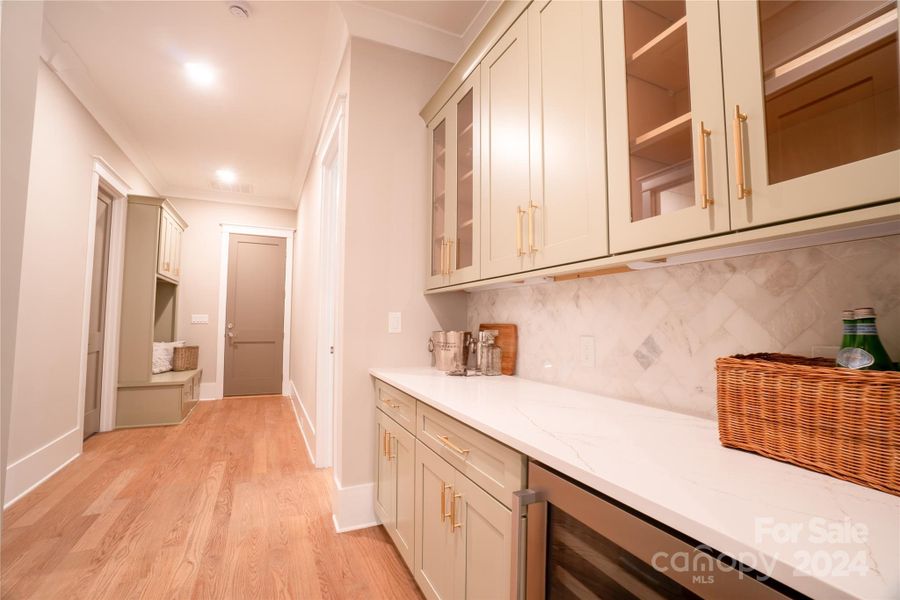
x,y
254,315
97,323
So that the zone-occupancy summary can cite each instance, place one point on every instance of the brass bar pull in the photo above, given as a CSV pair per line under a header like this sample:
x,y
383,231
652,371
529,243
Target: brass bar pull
x,y
384,443
444,488
449,257
739,119
705,200
453,524
446,441
531,208
519,212
443,256
389,447
389,403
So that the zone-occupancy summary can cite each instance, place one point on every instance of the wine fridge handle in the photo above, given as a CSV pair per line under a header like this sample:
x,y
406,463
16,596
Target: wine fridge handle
x,y
520,501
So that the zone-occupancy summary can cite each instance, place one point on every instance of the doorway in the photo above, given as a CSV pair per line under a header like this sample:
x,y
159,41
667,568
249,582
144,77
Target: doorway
x,y
254,315
97,317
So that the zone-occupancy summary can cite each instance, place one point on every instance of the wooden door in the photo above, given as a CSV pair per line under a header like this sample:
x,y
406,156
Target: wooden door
x,y
812,106
465,217
385,474
97,319
568,143
403,447
665,122
254,315
435,542
505,175
482,524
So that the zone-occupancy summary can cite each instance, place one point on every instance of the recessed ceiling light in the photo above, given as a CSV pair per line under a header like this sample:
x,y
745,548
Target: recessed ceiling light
x,y
200,73
226,175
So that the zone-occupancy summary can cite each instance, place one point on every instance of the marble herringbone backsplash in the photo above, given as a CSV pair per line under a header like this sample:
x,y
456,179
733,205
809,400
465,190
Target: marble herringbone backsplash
x,y
658,332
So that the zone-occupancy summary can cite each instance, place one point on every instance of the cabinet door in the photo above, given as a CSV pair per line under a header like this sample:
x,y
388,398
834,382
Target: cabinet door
x,y
813,107
665,122
505,174
482,555
435,545
162,261
567,216
441,177
175,268
385,480
464,222
404,464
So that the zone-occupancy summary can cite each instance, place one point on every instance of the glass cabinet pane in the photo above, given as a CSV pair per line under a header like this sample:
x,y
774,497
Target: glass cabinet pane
x,y
465,187
582,563
830,74
438,199
659,107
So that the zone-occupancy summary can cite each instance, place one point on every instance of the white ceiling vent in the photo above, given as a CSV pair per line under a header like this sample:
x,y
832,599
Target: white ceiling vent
x,y
236,188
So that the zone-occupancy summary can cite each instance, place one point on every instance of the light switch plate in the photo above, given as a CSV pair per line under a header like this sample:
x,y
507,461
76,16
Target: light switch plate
x,y
394,322
200,319
586,351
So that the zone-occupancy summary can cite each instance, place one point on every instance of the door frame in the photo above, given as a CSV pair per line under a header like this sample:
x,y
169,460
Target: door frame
x,y
104,177
280,232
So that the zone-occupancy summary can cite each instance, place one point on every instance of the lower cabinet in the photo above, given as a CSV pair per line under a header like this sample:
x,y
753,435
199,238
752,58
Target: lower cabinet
x,y
462,548
395,484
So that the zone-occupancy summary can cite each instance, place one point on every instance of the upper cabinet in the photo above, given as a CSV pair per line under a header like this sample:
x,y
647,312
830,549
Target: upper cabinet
x,y
813,106
665,126
171,229
455,188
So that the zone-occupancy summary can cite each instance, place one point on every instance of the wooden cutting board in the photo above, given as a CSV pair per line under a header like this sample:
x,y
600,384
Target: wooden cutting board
x,y
508,340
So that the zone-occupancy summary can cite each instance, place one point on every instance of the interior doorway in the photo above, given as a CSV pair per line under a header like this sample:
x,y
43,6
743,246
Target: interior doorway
x,y
254,315
93,390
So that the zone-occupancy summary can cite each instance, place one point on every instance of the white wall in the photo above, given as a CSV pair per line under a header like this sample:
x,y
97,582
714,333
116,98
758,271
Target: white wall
x,y
47,426
200,263
20,35
385,233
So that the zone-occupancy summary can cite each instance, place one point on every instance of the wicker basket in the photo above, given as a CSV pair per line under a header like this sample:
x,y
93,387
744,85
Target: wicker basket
x,y
185,358
805,411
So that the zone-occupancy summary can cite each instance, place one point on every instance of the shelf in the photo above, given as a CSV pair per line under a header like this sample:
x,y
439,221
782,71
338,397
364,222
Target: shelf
x,y
466,130
666,143
828,54
663,60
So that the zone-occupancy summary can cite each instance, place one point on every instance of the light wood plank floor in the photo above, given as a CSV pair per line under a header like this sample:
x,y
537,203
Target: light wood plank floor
x,y
226,505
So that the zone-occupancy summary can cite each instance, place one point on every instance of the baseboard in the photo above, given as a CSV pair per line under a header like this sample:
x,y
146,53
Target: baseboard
x,y
295,402
30,471
353,507
209,391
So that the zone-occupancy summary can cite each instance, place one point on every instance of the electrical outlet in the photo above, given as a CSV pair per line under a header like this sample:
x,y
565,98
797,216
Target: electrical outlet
x,y
200,319
586,352
394,323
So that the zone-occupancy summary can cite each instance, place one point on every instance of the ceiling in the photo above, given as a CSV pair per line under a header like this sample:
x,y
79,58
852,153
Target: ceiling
x,y
261,115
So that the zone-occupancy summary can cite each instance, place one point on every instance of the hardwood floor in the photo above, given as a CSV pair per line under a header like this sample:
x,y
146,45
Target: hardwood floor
x,y
226,505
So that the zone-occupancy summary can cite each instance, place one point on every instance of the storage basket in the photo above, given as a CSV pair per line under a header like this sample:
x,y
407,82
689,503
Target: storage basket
x,y
841,422
185,358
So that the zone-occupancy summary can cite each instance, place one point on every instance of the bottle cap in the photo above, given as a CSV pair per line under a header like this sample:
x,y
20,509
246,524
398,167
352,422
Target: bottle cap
x,y
864,313
846,315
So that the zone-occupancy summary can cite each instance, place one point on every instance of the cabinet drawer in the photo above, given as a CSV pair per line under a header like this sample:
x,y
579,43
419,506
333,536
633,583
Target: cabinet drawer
x,y
499,470
399,406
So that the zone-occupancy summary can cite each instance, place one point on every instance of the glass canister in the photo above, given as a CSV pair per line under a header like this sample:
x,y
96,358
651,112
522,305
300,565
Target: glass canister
x,y
493,356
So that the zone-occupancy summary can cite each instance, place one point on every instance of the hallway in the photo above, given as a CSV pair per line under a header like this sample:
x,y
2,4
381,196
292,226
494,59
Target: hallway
x,y
226,505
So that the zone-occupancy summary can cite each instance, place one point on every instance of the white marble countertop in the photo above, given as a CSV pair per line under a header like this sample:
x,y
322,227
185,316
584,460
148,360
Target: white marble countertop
x,y
671,467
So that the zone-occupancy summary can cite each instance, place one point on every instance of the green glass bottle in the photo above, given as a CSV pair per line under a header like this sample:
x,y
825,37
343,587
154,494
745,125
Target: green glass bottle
x,y
870,353
848,340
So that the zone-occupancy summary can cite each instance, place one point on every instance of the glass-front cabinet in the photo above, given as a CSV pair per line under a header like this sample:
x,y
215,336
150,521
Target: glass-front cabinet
x,y
455,191
812,106
665,124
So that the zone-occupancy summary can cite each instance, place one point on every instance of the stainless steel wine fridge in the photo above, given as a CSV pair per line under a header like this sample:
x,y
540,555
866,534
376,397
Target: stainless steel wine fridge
x,y
569,542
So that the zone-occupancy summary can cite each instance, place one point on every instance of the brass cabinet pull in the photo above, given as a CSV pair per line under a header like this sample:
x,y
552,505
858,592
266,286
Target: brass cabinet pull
x,y
446,441
443,259
449,255
444,488
453,524
705,200
739,119
390,442
519,212
385,441
389,403
531,208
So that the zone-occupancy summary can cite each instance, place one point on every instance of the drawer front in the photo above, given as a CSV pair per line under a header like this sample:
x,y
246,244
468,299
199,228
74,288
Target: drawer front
x,y
397,405
499,470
